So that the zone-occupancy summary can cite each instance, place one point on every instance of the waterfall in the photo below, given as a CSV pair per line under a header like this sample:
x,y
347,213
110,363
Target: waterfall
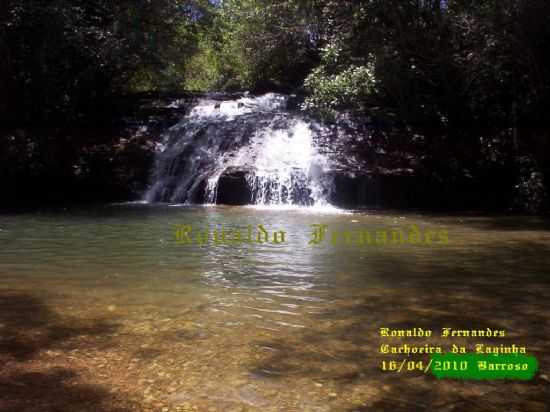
x,y
255,143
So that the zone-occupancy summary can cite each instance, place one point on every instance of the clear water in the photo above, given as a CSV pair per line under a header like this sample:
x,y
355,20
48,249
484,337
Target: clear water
x,y
101,309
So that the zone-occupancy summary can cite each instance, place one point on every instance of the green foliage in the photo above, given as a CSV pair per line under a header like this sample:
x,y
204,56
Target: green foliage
x,y
340,88
203,70
65,56
253,45
531,193
446,76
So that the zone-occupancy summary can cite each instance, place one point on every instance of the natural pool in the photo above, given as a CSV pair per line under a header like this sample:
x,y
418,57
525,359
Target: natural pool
x,y
101,309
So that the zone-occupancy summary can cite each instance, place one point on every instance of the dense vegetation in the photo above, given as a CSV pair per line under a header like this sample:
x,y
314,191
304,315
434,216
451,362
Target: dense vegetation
x,y
461,85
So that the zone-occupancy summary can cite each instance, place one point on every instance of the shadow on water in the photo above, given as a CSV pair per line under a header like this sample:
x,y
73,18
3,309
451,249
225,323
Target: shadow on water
x,y
343,350
347,354
29,328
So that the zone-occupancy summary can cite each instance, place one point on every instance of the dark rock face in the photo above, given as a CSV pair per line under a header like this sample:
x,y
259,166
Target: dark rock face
x,y
199,192
408,191
233,188
376,191
348,191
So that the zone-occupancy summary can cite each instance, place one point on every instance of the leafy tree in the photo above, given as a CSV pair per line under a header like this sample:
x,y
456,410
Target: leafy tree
x,y
65,56
255,45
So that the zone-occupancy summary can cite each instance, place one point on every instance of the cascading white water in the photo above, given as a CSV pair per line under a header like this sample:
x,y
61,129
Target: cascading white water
x,y
285,167
255,137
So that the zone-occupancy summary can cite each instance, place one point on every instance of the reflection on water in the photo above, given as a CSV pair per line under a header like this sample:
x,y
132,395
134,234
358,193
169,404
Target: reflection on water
x,y
102,310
